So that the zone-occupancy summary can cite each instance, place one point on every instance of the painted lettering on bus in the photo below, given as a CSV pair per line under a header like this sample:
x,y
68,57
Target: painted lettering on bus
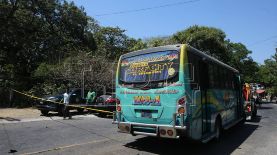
x,y
147,100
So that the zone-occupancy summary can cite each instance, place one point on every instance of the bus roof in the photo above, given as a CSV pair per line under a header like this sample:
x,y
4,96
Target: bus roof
x,y
177,47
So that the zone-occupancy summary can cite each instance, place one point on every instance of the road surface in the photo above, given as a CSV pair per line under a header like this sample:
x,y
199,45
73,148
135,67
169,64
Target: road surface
x,y
94,135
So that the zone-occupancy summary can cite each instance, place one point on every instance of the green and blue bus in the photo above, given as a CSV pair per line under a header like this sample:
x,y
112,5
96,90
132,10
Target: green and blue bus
x,y
176,91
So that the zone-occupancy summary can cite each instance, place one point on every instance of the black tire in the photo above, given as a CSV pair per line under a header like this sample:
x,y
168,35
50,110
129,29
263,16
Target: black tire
x,y
44,112
80,110
255,111
243,119
218,130
77,100
60,110
102,114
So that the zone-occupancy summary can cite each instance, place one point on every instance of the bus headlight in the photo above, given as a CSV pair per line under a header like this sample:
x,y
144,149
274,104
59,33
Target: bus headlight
x,y
117,101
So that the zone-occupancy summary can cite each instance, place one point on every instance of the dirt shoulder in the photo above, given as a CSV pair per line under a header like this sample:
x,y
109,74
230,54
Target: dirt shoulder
x,y
13,113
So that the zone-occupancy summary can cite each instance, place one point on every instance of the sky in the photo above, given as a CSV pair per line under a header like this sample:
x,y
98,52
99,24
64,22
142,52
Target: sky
x,y
251,22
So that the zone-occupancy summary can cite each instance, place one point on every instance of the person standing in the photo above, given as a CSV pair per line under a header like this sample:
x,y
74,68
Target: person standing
x,y
90,96
66,112
258,101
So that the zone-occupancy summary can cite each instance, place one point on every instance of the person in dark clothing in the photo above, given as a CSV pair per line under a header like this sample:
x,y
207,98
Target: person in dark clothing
x,y
258,101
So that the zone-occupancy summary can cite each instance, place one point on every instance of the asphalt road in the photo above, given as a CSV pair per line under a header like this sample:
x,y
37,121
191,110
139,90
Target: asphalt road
x,y
94,135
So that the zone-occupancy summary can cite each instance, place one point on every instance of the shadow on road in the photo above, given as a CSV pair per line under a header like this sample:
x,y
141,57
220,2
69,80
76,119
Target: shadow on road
x,y
231,141
76,113
256,119
10,119
262,107
73,113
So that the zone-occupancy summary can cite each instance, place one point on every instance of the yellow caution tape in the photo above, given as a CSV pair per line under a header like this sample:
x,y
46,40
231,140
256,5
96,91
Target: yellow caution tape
x,y
75,106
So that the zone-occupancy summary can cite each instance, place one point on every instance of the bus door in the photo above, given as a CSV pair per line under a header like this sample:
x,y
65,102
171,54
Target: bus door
x,y
238,90
204,83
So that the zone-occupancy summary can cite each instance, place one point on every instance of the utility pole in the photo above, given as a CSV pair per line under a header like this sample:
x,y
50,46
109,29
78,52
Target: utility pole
x,y
83,80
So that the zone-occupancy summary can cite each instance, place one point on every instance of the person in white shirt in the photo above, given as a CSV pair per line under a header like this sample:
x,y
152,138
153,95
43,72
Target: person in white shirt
x,y
66,112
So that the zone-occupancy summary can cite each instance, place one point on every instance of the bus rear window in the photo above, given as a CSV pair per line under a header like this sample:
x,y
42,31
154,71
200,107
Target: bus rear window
x,y
151,67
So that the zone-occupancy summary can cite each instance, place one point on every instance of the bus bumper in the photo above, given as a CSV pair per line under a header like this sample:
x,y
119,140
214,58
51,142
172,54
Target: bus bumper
x,y
156,130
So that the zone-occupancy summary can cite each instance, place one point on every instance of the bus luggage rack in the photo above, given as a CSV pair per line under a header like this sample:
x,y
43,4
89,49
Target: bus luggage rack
x,y
149,129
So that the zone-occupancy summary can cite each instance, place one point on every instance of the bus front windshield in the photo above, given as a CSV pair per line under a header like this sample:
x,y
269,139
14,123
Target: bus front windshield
x,y
151,68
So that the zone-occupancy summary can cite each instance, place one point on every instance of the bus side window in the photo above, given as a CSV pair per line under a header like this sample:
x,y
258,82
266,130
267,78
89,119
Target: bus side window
x,y
232,80
229,80
225,84
216,76
193,62
211,76
237,82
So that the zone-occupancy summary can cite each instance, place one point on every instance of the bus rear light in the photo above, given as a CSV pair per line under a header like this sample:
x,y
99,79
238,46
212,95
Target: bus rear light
x,y
118,108
182,101
162,132
169,132
181,110
117,101
248,108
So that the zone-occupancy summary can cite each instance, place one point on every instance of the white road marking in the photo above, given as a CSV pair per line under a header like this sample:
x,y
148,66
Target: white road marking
x,y
67,146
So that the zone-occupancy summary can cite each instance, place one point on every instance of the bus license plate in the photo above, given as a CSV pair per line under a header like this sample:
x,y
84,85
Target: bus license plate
x,y
146,114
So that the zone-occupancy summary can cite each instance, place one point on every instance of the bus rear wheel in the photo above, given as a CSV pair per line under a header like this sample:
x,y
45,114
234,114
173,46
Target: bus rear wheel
x,y
44,112
255,111
80,110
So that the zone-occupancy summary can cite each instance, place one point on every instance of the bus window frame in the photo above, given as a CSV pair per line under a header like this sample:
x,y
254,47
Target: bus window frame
x,y
193,61
175,78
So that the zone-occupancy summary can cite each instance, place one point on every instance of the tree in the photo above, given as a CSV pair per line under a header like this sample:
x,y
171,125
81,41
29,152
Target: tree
x,y
134,45
111,42
241,61
32,32
35,31
268,74
97,71
207,39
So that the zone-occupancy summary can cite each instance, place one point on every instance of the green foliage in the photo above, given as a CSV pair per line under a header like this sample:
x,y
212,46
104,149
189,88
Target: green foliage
x,y
207,39
43,70
98,72
213,42
268,74
33,32
241,60
159,41
111,42
46,88
134,45
48,45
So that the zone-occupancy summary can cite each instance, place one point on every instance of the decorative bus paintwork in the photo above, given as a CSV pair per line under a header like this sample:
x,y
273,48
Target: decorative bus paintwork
x,y
176,91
